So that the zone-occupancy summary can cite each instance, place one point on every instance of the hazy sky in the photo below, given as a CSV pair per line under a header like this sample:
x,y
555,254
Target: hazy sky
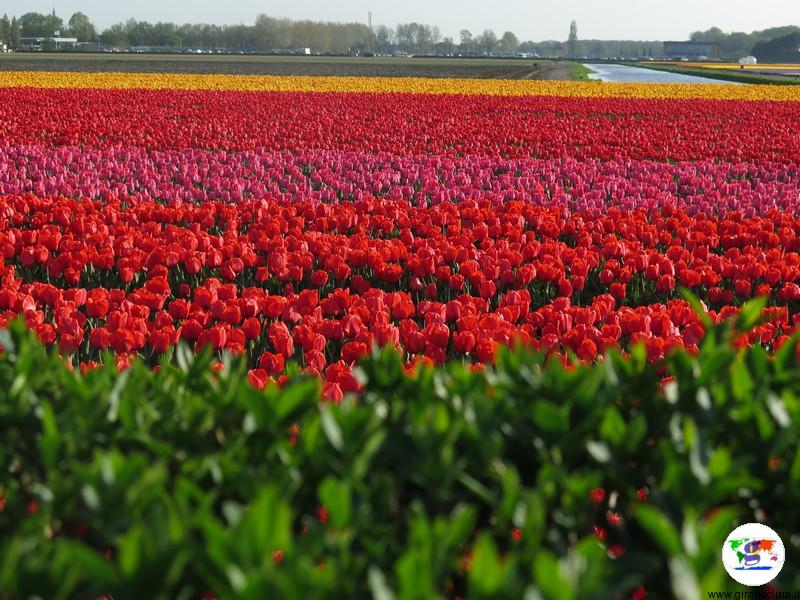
x,y
529,19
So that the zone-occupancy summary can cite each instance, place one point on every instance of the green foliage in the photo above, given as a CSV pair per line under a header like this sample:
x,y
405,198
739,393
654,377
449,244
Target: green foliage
x,y
450,481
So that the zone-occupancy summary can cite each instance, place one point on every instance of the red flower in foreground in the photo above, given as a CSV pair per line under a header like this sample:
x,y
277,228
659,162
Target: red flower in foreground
x,y
597,495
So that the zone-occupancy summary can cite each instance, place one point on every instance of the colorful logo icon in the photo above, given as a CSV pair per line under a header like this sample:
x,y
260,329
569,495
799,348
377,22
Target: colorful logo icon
x,y
753,554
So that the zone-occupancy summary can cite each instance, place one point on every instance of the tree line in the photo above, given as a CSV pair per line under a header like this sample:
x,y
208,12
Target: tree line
x,y
275,34
266,34
269,34
785,49
732,46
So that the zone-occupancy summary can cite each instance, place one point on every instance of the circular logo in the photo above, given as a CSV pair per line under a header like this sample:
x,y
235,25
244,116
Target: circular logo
x,y
753,554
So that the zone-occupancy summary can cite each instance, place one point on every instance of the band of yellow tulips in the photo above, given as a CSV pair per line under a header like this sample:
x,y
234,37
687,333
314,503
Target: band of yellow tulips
x,y
393,85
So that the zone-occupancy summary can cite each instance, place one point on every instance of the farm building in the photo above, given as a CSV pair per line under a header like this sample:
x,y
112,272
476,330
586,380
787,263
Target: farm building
x,y
37,44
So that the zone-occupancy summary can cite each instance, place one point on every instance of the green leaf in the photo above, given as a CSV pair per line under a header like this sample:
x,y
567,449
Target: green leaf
x,y
750,314
659,527
331,427
720,462
378,586
50,440
461,524
549,577
511,493
684,579
265,527
550,417
612,427
184,357
598,451
362,462
741,382
295,396
335,495
636,432
477,488
488,573
131,550
777,409
93,566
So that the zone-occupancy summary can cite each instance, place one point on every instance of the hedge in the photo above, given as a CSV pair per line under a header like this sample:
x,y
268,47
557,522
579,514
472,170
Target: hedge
x,y
530,478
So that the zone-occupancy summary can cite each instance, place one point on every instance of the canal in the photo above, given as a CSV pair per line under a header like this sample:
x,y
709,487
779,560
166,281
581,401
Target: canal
x,y
627,74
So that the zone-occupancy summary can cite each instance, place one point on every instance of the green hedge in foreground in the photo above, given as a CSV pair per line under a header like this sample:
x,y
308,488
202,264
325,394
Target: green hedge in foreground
x,y
190,484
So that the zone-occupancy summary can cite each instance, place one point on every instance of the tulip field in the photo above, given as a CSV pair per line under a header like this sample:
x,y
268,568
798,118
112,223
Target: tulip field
x,y
307,227
293,226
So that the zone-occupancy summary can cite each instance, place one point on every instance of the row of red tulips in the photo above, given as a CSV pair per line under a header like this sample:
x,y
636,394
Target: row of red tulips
x,y
329,176
321,283
405,124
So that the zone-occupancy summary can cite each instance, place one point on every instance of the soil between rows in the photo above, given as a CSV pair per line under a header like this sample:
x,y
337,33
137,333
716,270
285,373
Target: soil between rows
x,y
278,65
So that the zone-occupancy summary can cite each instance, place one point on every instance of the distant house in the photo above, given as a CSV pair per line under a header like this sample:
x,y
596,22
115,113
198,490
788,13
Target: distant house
x,y
689,50
37,44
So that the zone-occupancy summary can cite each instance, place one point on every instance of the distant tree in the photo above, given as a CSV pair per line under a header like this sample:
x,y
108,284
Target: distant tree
x,y
5,29
405,34
784,49
116,35
734,45
138,33
509,42
436,35
487,41
35,24
713,36
383,39
424,38
596,48
446,46
15,33
572,41
271,33
81,27
466,39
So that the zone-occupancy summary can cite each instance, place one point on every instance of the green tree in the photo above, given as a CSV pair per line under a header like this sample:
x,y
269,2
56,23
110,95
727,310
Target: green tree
x,y
115,36
406,36
466,40
446,46
383,39
35,24
487,41
5,29
15,33
81,27
271,33
509,42
781,50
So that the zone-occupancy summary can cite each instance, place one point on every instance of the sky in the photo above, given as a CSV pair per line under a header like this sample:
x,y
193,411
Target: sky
x,y
528,19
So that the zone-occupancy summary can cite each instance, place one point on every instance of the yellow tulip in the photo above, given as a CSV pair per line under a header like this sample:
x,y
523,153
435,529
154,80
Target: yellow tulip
x,y
414,85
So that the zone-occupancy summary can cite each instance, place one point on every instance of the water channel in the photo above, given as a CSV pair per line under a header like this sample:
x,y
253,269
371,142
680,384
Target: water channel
x,y
627,74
